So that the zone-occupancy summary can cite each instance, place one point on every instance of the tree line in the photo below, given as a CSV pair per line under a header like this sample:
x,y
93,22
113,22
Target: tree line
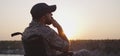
x,y
105,46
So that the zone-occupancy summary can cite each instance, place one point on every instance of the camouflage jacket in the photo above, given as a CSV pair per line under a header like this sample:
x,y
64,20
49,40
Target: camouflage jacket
x,y
51,37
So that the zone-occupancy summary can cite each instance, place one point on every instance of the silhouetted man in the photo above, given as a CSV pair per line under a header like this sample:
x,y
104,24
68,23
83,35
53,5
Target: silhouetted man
x,y
41,40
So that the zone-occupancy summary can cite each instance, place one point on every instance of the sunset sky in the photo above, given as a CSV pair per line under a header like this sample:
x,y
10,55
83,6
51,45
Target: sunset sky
x,y
80,19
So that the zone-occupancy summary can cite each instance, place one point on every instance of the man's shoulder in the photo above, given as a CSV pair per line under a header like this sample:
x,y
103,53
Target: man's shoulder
x,y
39,30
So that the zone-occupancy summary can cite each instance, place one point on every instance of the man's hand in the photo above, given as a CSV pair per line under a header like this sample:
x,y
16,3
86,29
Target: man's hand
x,y
55,23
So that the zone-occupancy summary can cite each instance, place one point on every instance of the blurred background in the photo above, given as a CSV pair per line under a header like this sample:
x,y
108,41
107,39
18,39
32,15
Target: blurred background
x,y
80,19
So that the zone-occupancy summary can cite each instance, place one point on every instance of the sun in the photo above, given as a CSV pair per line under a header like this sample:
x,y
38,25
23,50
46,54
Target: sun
x,y
72,24
70,29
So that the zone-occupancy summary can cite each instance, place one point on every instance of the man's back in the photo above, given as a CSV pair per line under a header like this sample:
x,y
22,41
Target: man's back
x,y
34,47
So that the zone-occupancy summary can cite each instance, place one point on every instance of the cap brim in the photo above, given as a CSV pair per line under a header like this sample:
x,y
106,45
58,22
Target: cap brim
x,y
52,8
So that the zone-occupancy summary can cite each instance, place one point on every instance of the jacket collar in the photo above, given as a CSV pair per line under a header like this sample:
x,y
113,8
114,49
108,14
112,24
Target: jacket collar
x,y
34,23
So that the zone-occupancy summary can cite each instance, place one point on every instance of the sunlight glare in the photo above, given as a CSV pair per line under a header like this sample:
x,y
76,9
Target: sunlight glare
x,y
70,27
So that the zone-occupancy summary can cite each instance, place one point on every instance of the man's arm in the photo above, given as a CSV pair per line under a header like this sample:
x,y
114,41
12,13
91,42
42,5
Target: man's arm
x,y
60,30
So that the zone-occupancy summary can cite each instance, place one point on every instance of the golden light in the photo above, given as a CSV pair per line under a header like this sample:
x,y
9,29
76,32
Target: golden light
x,y
71,21
70,30
75,27
71,27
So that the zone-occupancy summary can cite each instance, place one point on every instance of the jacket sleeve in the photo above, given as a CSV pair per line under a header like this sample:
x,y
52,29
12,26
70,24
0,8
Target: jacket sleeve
x,y
56,42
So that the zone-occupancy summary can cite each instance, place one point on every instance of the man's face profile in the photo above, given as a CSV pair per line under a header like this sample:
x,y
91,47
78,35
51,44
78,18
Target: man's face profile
x,y
48,17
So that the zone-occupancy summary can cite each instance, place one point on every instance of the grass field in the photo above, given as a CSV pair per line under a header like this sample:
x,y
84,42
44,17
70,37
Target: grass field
x,y
99,47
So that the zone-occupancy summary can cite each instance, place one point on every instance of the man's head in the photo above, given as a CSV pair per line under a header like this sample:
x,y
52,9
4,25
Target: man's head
x,y
42,10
